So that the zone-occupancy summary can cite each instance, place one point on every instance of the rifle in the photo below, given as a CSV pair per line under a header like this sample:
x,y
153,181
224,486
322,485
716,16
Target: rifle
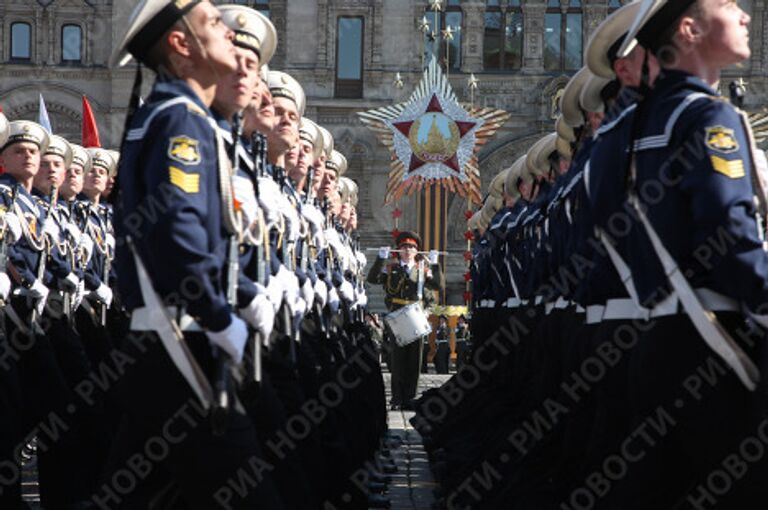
x,y
43,260
105,273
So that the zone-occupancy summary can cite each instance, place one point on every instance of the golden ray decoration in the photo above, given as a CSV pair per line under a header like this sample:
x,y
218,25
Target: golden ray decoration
x,y
406,177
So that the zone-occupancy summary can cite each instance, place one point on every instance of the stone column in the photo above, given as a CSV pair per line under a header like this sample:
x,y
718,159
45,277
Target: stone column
x,y
757,28
472,36
595,11
533,33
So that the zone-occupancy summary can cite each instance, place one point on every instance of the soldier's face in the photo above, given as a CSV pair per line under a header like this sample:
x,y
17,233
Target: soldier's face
x,y
73,182
305,157
235,90
725,32
22,160
95,181
328,187
352,219
345,213
286,130
51,173
408,253
215,38
260,113
319,174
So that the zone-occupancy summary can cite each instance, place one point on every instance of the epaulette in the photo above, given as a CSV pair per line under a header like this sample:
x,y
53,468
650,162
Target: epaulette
x,y
192,107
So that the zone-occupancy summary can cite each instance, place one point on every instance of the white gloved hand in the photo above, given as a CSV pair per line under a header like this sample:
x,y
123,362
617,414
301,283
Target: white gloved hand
x,y
260,313
111,242
308,293
70,283
74,232
103,294
245,195
298,309
269,199
52,229
86,244
362,299
321,293
275,292
290,286
231,340
347,292
77,297
39,291
362,260
291,217
5,286
333,299
433,257
13,227
384,252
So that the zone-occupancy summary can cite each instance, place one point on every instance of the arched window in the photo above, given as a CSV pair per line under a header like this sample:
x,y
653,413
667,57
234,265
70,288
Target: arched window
x,y
503,38
21,41
450,16
563,35
71,44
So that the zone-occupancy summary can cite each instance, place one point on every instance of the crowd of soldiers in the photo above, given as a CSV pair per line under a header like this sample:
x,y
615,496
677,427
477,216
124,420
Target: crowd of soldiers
x,y
183,320
619,283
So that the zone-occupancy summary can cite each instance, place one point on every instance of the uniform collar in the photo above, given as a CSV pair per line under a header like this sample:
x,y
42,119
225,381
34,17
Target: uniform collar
x,y
167,88
671,79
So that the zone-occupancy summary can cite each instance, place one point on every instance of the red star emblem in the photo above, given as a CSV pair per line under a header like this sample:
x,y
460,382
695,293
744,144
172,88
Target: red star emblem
x,y
434,107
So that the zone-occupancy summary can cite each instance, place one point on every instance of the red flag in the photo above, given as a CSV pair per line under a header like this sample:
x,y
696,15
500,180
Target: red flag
x,y
90,129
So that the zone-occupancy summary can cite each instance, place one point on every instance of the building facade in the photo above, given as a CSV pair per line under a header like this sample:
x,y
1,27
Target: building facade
x,y
346,53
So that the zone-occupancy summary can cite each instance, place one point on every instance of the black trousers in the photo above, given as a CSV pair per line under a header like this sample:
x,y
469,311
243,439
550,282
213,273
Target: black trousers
x,y
406,362
11,429
689,414
166,438
442,357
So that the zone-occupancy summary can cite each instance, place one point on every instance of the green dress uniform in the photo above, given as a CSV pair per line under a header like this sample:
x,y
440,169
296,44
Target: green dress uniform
x,y
401,287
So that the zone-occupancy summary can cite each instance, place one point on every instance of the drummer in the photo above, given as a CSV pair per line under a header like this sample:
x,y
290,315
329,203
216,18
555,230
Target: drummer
x,y
403,280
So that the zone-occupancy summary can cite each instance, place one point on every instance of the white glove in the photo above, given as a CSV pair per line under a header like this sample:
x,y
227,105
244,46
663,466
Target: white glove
x,y
5,286
291,216
52,229
384,252
13,227
347,292
39,292
103,294
321,293
433,257
74,232
275,292
86,244
77,297
71,282
260,313
299,308
111,242
362,299
232,339
333,299
362,260
246,197
308,293
290,286
269,199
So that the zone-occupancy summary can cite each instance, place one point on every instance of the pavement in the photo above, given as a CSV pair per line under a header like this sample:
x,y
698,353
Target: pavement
x,y
411,487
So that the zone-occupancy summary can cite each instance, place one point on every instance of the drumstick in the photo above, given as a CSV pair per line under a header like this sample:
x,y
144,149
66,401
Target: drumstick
x,y
418,252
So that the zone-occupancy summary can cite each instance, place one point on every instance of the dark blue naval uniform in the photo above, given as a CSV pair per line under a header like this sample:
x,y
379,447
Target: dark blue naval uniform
x,y
170,205
694,177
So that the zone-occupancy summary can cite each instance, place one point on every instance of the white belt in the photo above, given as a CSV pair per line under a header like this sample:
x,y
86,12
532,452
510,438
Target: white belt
x,y
561,303
548,307
140,320
621,309
487,303
513,303
538,300
441,341
580,309
595,313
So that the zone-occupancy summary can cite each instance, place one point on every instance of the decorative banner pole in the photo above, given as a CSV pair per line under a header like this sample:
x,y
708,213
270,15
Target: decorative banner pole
x,y
434,140
447,37
468,235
